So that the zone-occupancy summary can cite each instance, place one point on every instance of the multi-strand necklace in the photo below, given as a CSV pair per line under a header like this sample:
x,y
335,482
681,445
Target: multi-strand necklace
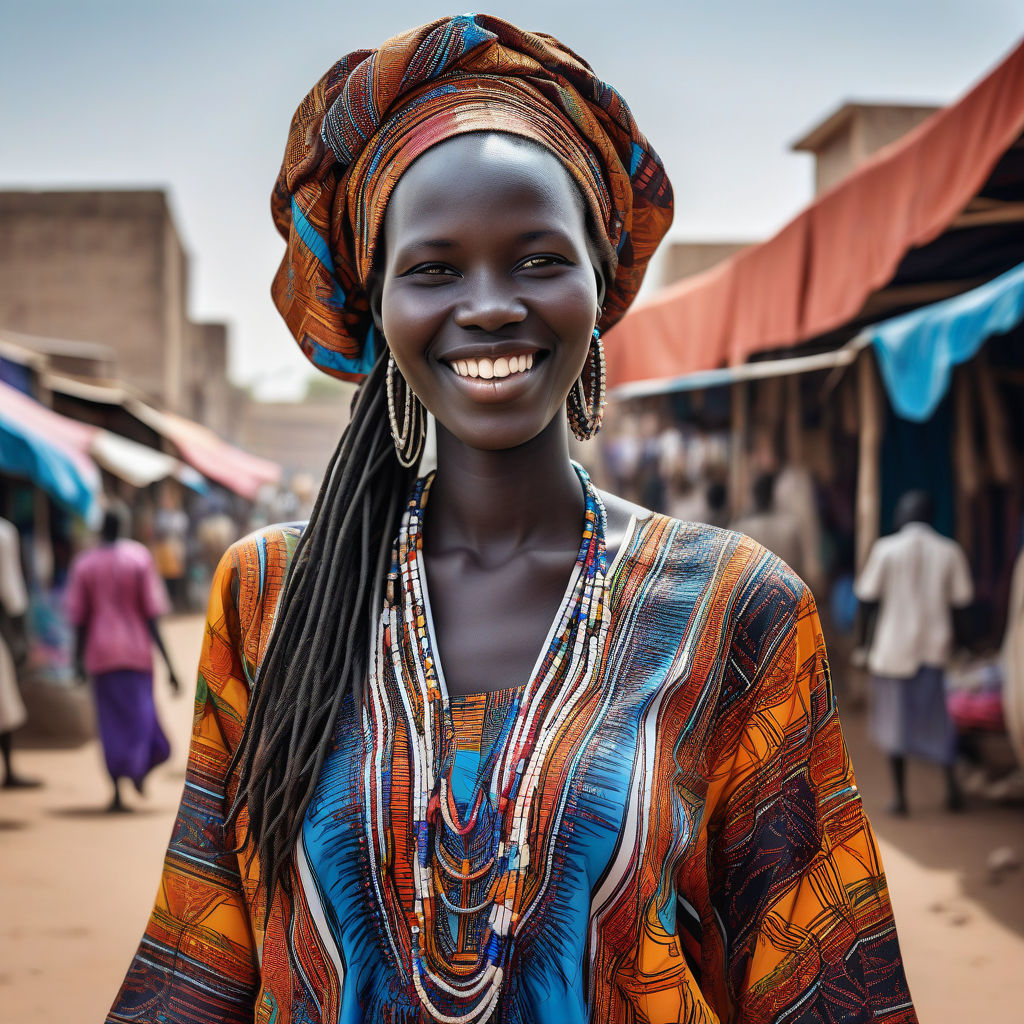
x,y
487,867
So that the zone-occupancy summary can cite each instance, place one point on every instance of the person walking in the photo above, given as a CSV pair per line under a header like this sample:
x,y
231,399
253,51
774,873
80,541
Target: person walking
x,y
489,744
769,525
115,597
13,650
912,583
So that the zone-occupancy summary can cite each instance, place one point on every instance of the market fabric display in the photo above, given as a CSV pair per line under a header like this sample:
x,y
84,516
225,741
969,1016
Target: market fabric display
x,y
662,825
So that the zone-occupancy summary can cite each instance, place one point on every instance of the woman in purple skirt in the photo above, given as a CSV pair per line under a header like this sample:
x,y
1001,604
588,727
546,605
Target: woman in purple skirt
x,y
114,600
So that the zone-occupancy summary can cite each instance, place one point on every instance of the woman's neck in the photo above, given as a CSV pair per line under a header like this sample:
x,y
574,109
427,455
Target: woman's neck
x,y
494,503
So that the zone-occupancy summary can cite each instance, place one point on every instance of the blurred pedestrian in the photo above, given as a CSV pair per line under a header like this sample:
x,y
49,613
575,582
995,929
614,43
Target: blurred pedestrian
x,y
13,649
769,525
916,577
115,597
215,533
1013,661
795,494
171,525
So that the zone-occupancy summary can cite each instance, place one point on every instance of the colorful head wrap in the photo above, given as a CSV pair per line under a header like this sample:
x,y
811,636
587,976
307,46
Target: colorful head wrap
x,y
365,122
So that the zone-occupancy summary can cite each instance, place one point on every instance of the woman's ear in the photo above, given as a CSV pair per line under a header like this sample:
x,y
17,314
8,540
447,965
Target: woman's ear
x,y
602,284
375,292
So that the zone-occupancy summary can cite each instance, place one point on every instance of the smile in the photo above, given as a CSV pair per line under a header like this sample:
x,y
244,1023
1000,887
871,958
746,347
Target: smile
x,y
493,369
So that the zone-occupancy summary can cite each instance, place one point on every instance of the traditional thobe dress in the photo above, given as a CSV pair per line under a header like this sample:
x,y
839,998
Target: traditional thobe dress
x,y
710,859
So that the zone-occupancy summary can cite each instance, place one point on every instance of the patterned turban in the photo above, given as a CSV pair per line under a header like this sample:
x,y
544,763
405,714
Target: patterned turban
x,y
375,111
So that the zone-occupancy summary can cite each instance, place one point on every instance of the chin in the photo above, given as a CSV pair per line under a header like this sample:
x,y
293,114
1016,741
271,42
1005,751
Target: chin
x,y
497,433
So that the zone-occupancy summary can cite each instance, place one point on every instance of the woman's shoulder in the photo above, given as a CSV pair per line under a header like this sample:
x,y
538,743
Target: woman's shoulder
x,y
735,581
243,599
263,556
250,578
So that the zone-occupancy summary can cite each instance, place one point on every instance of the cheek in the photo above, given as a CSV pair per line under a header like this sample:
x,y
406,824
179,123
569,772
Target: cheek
x,y
572,314
410,318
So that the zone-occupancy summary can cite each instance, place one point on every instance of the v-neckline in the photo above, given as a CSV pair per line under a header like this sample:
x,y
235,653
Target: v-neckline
x,y
567,596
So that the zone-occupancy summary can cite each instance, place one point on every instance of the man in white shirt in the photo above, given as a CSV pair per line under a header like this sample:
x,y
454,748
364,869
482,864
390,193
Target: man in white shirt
x,y
917,578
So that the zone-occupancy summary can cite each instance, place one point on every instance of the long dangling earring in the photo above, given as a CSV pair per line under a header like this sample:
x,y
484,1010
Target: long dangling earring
x,y
585,414
409,435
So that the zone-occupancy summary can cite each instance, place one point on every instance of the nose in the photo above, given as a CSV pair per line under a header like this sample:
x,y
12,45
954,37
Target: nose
x,y
489,303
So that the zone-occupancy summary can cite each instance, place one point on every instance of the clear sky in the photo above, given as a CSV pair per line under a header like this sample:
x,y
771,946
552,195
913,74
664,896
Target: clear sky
x,y
197,96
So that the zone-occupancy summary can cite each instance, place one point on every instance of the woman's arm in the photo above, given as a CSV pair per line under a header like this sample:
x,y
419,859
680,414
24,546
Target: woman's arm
x,y
795,882
197,960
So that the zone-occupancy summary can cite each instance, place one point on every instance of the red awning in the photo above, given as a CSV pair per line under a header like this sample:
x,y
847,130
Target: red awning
x,y
201,448
816,274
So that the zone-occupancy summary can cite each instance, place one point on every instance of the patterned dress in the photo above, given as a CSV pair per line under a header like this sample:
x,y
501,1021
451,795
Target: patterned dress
x,y
712,863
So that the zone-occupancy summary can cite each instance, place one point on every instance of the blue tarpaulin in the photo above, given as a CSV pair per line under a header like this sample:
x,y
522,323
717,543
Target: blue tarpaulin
x,y
917,351
37,444
26,455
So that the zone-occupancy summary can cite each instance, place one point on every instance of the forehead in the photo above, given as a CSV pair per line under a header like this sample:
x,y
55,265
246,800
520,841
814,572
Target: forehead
x,y
483,174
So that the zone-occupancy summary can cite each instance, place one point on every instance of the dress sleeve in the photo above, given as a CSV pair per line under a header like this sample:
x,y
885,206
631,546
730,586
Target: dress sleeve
x,y
795,884
197,961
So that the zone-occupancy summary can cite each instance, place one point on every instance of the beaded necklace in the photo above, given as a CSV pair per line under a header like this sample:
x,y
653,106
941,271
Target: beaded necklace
x,y
488,871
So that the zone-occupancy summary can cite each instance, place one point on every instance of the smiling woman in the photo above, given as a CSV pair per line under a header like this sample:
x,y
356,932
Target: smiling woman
x,y
489,744
487,262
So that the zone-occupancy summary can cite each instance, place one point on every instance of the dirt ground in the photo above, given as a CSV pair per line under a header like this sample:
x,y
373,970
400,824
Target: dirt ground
x,y
77,883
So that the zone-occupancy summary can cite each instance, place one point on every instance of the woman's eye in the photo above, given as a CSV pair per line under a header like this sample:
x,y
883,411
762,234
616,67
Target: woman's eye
x,y
430,270
542,262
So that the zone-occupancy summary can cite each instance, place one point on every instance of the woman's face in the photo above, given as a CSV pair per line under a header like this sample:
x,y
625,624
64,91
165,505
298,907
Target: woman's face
x,y
488,292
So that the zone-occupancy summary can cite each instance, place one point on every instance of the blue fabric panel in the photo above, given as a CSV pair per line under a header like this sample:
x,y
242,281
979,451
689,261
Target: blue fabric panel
x,y
917,351
25,454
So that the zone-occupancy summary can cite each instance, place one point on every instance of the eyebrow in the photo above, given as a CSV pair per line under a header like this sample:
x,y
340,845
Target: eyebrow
x,y
533,236
428,243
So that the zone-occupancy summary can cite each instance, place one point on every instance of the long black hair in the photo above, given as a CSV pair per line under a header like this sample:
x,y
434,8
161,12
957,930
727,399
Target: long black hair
x,y
319,649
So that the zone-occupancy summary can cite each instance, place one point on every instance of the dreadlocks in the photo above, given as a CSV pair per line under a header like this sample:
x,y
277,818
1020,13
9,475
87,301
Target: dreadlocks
x,y
319,649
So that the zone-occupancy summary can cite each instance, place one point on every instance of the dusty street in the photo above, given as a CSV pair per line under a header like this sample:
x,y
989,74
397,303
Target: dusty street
x,y
77,883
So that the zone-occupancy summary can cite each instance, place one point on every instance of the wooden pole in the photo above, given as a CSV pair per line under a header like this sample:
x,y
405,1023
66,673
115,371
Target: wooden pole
x,y
998,436
793,422
966,472
738,444
869,487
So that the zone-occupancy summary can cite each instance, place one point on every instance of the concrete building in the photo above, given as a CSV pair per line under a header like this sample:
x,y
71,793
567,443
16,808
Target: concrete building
x,y
300,436
853,132
684,259
109,267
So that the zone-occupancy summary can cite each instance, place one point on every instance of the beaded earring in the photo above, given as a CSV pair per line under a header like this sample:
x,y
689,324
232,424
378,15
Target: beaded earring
x,y
409,435
585,414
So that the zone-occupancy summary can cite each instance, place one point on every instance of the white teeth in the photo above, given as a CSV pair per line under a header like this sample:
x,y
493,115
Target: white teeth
x,y
489,369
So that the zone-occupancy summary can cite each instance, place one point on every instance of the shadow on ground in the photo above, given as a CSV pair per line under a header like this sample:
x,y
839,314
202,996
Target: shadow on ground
x,y
102,812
